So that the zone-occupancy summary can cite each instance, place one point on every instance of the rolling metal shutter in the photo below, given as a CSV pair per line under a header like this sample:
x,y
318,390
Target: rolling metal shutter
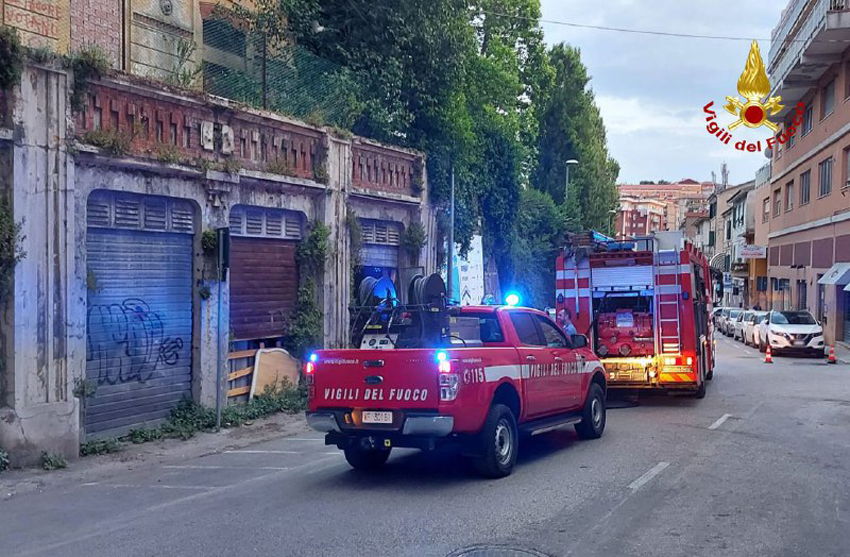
x,y
139,314
618,277
380,244
263,272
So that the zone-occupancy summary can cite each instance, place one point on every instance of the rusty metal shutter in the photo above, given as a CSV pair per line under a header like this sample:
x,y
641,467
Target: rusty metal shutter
x,y
263,273
263,287
139,314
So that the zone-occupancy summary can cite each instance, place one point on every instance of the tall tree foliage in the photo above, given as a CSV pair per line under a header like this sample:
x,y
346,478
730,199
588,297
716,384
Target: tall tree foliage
x,y
571,127
470,83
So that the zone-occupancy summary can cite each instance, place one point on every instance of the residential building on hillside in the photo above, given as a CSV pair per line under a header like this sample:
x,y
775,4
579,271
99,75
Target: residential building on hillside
x,y
679,198
639,217
689,221
703,235
807,206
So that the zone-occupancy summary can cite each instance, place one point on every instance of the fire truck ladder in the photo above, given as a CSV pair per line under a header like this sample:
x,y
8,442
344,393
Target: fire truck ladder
x,y
666,260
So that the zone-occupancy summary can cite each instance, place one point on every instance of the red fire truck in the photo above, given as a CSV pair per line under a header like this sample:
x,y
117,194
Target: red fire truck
x,y
644,304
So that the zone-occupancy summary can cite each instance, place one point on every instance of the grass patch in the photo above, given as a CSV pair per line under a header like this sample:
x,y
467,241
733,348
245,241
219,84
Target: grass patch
x,y
189,417
4,460
101,446
53,461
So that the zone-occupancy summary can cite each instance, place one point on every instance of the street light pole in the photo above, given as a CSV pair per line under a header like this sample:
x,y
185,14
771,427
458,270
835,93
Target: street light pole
x,y
451,254
567,179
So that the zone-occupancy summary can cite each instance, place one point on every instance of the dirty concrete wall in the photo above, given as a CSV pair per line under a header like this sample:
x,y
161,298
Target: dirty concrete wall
x,y
45,327
47,317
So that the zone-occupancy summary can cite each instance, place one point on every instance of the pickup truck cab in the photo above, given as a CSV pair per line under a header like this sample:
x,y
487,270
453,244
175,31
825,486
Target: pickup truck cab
x,y
517,374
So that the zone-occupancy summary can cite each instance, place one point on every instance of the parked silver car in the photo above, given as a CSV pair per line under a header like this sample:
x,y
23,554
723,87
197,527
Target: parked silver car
x,y
739,323
729,322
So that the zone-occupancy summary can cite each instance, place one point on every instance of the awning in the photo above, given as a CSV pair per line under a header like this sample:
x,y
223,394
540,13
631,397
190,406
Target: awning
x,y
838,274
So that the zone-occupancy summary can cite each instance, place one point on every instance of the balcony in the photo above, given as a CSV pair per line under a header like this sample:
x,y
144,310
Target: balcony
x,y
810,37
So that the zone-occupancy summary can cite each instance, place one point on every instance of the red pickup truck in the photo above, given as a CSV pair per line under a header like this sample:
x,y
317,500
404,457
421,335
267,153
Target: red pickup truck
x,y
506,371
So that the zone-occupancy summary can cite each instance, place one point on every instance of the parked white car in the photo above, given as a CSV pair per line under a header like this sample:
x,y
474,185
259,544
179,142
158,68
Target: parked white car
x,y
738,325
728,322
791,331
751,331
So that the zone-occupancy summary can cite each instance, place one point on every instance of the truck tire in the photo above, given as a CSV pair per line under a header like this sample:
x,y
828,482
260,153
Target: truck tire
x,y
700,392
499,441
365,459
592,423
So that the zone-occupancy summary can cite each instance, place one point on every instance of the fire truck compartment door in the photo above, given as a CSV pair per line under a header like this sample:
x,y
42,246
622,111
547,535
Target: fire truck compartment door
x,y
635,277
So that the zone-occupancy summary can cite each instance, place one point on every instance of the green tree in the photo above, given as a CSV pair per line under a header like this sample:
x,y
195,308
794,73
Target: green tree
x,y
540,232
571,127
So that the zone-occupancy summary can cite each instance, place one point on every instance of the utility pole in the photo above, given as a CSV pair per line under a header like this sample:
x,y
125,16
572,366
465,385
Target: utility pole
x,y
450,263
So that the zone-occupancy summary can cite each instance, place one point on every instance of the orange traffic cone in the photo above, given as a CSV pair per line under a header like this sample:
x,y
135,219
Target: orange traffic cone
x,y
831,359
768,356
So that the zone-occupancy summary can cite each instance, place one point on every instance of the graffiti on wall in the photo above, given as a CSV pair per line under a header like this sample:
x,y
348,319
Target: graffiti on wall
x,y
127,342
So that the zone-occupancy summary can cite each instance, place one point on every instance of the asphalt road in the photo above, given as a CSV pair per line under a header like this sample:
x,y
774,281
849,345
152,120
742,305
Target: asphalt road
x,y
761,466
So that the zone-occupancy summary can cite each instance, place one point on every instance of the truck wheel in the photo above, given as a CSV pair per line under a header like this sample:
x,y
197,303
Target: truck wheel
x,y
700,392
499,440
592,423
365,459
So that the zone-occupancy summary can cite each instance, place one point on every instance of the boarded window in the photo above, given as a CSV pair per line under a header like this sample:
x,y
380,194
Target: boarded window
x,y
822,253
803,254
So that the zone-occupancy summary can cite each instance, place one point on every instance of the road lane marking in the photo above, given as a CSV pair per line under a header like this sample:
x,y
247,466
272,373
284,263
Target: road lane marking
x,y
651,473
204,467
144,486
719,421
262,452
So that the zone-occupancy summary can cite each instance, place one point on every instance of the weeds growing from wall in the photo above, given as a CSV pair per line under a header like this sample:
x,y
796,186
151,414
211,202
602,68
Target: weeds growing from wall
x,y
90,62
111,141
305,329
11,57
109,445
185,72
4,460
189,417
11,248
413,239
355,238
53,461
167,153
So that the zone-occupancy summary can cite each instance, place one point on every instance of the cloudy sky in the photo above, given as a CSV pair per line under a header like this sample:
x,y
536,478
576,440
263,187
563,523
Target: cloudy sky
x,y
651,89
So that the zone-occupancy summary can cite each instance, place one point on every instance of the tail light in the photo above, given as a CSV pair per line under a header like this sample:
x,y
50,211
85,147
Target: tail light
x,y
309,370
449,381
678,361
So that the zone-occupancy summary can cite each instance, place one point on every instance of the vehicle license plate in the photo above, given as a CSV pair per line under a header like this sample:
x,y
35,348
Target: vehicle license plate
x,y
371,417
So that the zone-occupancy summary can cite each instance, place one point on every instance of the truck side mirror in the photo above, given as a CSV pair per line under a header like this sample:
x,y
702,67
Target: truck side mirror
x,y
579,341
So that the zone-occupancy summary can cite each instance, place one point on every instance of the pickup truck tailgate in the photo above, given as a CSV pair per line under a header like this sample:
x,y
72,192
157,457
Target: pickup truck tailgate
x,y
405,379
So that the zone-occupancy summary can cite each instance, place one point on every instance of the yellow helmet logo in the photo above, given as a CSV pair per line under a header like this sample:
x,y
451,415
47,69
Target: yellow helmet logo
x,y
754,86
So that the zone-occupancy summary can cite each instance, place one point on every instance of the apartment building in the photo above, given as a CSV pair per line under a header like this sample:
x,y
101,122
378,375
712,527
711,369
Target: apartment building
x,y
807,205
680,198
639,217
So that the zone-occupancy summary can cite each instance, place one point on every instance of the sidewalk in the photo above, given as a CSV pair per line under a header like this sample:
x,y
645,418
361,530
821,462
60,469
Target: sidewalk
x,y
842,352
143,455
